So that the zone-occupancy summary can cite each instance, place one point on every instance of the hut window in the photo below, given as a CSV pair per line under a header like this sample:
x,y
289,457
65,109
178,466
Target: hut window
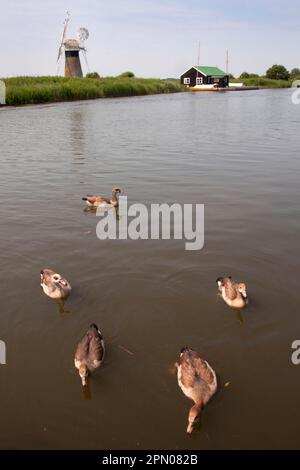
x,y
199,80
187,80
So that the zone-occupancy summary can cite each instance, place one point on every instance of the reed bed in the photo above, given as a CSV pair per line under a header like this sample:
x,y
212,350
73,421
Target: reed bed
x,y
34,90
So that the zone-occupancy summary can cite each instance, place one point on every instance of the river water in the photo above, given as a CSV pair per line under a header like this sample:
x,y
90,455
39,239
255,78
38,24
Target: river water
x,y
237,153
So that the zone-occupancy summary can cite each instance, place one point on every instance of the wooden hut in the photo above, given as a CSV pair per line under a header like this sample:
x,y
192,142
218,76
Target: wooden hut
x,y
204,75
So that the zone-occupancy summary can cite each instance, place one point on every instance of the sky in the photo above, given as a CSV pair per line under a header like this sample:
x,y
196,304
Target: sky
x,y
152,38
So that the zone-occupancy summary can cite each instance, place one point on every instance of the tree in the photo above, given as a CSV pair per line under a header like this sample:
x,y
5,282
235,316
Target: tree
x,y
244,75
92,75
278,72
126,75
294,73
231,77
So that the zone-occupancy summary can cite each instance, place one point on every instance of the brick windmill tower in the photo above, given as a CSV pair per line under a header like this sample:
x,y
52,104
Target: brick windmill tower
x,y
71,48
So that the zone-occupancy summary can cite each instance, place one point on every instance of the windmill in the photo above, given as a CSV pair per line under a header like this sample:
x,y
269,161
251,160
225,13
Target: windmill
x,y
71,48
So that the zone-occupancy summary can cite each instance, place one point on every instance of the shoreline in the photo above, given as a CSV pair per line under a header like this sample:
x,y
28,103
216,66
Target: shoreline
x,y
131,95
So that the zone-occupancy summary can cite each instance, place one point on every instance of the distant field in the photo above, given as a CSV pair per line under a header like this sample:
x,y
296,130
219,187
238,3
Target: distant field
x,y
34,90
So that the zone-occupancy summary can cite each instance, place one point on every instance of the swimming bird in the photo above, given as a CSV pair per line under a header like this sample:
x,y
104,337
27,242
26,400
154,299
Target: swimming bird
x,y
89,353
235,295
197,380
54,285
99,201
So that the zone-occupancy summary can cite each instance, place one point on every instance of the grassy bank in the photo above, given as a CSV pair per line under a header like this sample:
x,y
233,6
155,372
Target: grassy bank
x,y
262,82
33,90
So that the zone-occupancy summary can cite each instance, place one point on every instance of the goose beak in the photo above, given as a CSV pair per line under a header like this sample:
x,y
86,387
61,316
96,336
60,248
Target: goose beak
x,y
83,380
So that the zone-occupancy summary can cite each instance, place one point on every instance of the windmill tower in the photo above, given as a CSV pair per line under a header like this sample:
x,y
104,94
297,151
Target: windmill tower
x,y
71,48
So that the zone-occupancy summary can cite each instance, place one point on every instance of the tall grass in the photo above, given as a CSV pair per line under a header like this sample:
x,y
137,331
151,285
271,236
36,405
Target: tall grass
x,y
33,90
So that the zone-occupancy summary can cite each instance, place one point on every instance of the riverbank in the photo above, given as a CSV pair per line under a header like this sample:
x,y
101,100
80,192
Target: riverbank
x,y
37,90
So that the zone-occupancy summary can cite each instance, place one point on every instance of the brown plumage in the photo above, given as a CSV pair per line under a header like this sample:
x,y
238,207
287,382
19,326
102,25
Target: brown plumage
x,y
89,353
197,380
235,295
99,201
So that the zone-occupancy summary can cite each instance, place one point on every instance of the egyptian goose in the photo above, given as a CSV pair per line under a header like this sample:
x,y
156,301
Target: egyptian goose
x,y
89,353
99,201
235,295
54,285
197,380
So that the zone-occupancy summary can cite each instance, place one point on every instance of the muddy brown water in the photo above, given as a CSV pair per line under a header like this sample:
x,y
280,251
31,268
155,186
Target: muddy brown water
x,y
236,153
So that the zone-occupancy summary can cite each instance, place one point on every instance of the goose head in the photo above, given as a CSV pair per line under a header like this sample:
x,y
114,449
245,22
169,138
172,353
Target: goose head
x,y
83,373
62,284
116,190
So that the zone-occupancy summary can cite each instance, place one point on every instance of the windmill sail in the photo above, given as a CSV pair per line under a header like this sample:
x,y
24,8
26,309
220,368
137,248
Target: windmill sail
x,y
67,19
86,60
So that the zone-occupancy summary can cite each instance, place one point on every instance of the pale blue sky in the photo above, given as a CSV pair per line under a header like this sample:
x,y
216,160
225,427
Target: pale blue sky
x,y
157,38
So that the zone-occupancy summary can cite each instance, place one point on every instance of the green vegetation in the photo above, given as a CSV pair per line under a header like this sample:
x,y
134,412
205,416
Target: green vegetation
x,y
92,75
33,90
295,74
276,76
278,72
263,82
246,75
126,75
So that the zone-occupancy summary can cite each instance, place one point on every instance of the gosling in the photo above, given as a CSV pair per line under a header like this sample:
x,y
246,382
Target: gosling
x,y
235,295
54,285
197,380
90,352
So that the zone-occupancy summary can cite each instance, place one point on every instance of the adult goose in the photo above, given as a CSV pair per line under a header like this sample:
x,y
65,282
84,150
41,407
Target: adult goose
x,y
100,201
197,380
235,295
89,353
54,285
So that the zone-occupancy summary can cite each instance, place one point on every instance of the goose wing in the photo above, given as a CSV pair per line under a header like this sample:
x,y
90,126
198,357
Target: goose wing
x,y
194,368
82,351
96,346
46,275
230,290
97,199
203,370
188,371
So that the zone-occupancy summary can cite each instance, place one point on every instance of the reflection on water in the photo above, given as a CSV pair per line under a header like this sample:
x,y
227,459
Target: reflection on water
x,y
239,316
236,153
87,393
78,135
61,307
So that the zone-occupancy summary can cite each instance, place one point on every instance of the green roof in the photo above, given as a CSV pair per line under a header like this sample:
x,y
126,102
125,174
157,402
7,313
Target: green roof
x,y
215,71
